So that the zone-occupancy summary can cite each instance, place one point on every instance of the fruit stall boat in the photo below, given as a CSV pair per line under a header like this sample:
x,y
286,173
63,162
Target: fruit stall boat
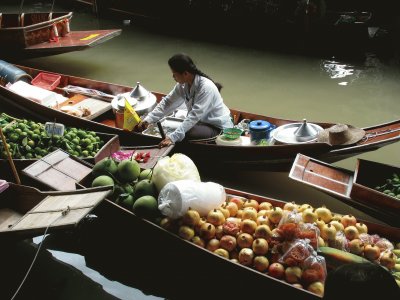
x,y
373,187
275,157
41,34
186,255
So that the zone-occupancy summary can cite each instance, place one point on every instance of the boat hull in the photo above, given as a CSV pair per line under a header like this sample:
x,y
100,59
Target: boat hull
x,y
207,153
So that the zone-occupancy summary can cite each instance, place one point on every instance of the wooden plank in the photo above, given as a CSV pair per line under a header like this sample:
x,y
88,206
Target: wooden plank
x,y
60,202
50,211
58,170
96,106
57,180
321,176
7,218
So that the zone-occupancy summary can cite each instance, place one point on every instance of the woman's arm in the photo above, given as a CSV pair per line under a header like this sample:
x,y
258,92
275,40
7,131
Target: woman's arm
x,y
166,106
201,107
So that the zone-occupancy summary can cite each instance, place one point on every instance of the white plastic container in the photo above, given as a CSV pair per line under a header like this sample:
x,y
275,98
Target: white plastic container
x,y
37,94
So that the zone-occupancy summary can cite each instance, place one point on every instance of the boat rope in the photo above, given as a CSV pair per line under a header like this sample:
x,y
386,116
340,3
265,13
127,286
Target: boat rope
x,y
20,8
63,214
374,134
52,6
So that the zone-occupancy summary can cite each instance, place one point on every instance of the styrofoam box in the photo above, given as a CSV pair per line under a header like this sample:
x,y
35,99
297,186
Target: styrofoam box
x,y
37,94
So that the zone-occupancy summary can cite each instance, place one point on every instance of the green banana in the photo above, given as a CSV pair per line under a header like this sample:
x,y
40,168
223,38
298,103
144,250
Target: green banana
x,y
397,252
335,257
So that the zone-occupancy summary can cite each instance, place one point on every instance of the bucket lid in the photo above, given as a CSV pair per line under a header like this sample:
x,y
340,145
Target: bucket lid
x,y
121,102
305,132
259,125
139,92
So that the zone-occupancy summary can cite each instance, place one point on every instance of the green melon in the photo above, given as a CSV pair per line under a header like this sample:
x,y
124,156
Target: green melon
x,y
146,207
102,180
105,166
127,201
145,174
145,188
128,170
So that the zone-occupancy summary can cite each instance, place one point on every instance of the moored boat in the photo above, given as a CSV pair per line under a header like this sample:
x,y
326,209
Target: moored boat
x,y
278,156
41,34
162,243
358,188
169,243
26,212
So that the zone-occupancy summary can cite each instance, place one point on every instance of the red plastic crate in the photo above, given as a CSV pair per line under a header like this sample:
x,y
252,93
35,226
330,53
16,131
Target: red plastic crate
x,y
47,81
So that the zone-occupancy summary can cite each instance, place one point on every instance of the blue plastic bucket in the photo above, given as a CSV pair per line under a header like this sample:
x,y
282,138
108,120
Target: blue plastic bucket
x,y
260,130
10,73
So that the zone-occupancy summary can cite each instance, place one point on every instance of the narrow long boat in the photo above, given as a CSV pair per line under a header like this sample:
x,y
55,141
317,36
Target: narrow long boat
x,y
41,34
119,240
26,212
356,188
277,157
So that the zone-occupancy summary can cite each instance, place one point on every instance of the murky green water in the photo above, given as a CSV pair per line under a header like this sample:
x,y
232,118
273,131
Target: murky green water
x,y
362,90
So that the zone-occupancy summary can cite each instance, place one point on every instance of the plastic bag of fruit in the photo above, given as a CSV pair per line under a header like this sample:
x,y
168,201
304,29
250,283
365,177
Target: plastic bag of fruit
x,y
299,251
314,269
177,197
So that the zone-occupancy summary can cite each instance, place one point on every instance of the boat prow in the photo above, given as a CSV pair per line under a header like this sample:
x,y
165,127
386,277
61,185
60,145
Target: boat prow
x,y
46,33
26,212
356,188
75,41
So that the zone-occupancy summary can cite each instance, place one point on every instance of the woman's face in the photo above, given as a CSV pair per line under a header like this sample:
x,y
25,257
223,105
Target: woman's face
x,y
179,77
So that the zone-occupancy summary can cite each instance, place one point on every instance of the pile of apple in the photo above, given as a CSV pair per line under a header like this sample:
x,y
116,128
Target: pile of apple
x,y
270,239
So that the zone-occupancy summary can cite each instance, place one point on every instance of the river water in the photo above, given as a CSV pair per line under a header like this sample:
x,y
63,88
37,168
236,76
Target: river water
x,y
361,89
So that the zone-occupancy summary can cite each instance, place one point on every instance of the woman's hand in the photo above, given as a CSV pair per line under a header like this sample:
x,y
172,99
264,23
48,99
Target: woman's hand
x,y
165,143
142,126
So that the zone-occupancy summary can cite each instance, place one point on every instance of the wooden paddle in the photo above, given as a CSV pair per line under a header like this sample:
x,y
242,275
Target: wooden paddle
x,y
10,160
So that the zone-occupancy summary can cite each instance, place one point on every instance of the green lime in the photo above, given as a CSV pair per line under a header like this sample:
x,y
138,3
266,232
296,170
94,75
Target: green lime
x,y
18,130
14,137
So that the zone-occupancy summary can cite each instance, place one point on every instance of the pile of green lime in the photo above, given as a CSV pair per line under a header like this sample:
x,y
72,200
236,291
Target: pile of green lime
x,y
27,139
133,188
391,186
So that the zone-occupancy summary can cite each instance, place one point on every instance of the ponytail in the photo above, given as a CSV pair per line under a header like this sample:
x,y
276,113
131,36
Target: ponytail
x,y
182,62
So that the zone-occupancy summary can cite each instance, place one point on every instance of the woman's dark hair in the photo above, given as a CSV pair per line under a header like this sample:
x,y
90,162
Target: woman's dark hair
x,y
182,62
360,280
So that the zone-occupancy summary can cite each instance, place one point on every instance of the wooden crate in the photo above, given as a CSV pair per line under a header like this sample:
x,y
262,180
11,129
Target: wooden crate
x,y
58,170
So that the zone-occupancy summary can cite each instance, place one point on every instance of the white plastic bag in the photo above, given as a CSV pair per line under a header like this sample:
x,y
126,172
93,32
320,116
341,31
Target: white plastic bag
x,y
176,197
176,167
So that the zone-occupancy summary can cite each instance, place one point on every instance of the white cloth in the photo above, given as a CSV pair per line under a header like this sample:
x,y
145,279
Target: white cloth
x,y
203,101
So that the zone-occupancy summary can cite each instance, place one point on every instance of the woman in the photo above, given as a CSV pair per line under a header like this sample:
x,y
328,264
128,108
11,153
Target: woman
x,y
207,114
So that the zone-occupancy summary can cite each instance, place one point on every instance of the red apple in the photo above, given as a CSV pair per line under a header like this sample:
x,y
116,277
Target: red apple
x,y
276,270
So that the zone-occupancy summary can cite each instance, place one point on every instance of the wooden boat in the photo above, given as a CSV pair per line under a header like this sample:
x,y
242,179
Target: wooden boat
x,y
275,157
155,245
27,212
40,34
353,188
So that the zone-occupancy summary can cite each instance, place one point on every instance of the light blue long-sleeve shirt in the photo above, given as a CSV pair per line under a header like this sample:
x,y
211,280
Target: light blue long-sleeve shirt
x,y
203,101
